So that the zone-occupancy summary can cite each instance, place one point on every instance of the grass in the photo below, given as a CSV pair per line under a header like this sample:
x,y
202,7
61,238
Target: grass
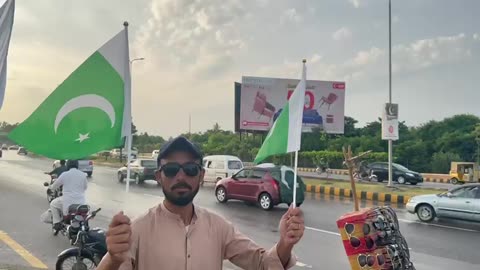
x,y
373,187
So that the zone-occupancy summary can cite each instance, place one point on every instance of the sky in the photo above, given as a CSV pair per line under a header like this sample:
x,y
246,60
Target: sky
x,y
195,50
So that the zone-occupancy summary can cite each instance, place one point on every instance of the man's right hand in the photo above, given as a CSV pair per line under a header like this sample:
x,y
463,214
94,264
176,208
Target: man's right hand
x,y
119,238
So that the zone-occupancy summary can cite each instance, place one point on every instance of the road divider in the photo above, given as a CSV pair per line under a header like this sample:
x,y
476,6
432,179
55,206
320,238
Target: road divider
x,y
427,177
363,195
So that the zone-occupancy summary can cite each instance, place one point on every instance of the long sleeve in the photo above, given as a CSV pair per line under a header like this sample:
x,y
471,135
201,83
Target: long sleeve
x,y
245,253
58,183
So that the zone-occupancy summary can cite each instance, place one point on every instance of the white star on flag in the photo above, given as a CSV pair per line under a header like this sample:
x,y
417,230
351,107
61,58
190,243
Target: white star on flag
x,y
82,137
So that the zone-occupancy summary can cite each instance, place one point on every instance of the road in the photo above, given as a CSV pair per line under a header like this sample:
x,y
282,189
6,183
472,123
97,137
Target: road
x,y
441,245
346,177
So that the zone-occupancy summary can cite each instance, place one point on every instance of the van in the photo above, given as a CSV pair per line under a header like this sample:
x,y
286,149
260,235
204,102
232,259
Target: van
x,y
220,166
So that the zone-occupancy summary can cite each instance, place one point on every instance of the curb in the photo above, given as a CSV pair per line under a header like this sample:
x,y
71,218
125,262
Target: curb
x,y
363,195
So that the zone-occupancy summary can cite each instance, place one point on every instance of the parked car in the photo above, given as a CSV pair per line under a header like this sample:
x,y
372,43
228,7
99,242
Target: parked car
x,y
22,151
400,174
140,170
155,154
220,166
457,203
268,186
84,165
13,147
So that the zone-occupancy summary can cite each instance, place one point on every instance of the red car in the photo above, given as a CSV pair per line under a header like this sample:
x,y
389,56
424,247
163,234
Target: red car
x,y
267,186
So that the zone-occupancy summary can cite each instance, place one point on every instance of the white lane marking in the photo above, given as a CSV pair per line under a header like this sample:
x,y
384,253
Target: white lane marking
x,y
322,231
150,195
437,225
300,264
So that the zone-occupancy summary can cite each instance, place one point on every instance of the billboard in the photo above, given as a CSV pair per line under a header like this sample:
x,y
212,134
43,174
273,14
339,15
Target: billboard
x,y
390,122
262,99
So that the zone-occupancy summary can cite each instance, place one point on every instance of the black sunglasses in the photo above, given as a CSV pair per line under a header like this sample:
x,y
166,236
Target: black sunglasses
x,y
172,168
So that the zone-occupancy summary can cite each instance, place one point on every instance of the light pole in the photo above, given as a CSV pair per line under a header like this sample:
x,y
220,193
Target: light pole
x,y
390,154
129,139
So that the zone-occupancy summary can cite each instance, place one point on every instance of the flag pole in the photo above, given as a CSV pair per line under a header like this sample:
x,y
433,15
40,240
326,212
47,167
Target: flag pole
x,y
296,152
129,121
295,181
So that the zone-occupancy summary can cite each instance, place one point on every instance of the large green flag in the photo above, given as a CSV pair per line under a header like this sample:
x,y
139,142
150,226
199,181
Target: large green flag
x,y
285,134
88,112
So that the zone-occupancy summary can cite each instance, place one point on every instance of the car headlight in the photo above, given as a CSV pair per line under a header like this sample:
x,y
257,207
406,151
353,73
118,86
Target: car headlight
x,y
410,174
411,200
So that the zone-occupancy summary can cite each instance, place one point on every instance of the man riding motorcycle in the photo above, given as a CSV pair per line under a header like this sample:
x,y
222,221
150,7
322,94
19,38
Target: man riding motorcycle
x,y
74,184
59,170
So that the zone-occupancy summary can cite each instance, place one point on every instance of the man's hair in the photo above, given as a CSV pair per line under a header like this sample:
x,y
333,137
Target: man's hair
x,y
62,162
72,164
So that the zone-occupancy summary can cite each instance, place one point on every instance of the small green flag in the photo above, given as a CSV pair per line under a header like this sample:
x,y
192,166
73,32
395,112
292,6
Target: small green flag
x,y
285,134
87,113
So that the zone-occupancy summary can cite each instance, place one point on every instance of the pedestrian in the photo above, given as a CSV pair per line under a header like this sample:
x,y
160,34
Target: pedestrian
x,y
178,234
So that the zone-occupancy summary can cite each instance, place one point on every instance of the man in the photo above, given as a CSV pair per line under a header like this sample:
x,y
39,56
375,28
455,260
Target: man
x,y
59,170
74,184
177,235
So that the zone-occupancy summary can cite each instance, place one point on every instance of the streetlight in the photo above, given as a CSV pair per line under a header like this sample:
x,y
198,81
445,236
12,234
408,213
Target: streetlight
x,y
390,150
129,139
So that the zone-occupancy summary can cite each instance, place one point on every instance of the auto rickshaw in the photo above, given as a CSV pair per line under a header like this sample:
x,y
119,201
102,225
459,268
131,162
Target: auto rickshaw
x,y
464,172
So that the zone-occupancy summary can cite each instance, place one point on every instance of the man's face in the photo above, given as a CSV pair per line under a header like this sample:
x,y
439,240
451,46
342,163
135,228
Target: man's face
x,y
180,175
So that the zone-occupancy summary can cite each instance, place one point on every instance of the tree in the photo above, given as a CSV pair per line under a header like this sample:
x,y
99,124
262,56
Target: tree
x,y
441,161
350,130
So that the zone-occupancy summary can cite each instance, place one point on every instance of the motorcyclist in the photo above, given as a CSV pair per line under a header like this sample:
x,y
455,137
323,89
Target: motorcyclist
x,y
74,184
59,170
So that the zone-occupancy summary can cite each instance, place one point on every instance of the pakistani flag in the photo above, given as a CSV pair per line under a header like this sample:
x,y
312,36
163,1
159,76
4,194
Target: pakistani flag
x,y
87,113
285,134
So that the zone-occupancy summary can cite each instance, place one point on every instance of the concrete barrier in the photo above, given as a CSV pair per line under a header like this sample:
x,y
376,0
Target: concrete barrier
x,y
362,195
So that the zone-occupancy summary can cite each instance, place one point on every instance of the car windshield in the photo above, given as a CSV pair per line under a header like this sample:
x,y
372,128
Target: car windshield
x,y
400,167
149,163
235,165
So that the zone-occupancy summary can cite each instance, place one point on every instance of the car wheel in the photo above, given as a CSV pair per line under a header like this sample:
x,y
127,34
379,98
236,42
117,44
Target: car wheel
x,y
120,177
425,213
401,180
221,195
454,181
89,174
265,201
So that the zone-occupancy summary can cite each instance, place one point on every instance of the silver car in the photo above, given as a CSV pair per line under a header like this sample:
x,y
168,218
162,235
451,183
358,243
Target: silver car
x,y
458,203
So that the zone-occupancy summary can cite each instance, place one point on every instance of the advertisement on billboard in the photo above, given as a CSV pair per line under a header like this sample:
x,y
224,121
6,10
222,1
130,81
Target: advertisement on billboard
x,y
390,122
262,99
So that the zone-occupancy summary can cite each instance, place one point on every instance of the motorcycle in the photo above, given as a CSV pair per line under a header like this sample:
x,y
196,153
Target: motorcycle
x,y
89,246
52,194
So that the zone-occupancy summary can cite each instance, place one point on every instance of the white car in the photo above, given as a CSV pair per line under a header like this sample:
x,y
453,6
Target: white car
x,y
84,165
458,203
155,154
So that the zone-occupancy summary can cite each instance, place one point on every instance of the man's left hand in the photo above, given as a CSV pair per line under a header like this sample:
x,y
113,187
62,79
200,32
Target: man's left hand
x,y
291,227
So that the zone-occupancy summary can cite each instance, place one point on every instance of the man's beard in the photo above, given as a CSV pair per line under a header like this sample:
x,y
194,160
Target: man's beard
x,y
182,199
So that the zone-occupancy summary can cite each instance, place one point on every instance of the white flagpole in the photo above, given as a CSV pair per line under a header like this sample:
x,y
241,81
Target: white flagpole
x,y
129,115
295,181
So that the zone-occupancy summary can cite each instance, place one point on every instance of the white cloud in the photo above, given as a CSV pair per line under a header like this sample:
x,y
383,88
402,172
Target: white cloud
x,y
355,3
476,37
291,15
342,34
315,58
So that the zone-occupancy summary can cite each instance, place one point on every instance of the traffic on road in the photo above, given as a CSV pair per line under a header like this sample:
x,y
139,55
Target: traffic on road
x,y
432,244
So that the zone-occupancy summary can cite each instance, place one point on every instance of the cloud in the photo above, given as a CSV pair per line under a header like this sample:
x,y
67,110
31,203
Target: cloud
x,y
417,55
291,15
395,19
342,34
476,37
355,3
